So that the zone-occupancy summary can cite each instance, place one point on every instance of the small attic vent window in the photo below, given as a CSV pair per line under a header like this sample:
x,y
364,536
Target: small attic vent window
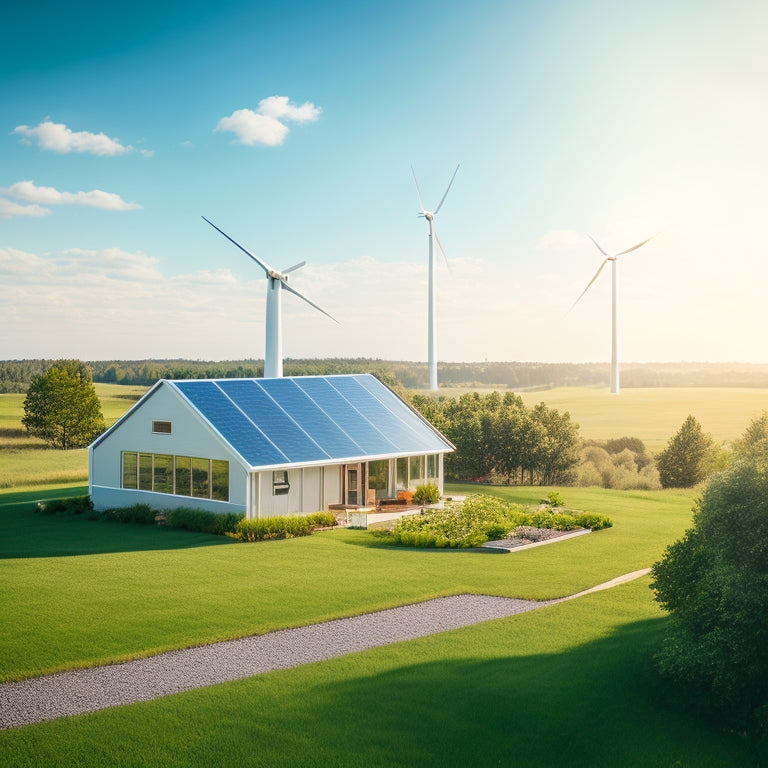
x,y
161,427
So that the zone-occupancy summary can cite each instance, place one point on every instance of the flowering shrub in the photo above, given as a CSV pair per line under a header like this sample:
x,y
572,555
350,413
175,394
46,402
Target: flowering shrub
x,y
466,525
485,518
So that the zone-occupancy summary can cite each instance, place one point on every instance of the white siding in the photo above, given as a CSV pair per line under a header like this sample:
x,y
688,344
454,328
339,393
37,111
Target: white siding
x,y
190,436
312,483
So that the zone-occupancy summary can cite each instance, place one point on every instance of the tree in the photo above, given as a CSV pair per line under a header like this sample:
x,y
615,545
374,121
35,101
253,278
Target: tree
x,y
714,583
681,463
62,406
753,434
558,452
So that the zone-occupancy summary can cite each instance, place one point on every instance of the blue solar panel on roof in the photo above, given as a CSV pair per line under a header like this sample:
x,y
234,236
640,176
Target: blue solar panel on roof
x,y
273,420
231,423
337,407
315,422
394,404
380,416
311,419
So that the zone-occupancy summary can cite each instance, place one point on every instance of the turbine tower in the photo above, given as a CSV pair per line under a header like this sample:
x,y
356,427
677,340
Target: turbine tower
x,y
276,283
615,384
431,312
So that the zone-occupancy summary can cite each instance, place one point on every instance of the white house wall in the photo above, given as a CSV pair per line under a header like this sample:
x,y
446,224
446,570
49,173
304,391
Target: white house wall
x,y
190,436
332,485
312,489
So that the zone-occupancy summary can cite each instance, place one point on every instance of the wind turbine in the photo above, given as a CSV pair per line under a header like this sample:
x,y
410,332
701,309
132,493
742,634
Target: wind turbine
x,y
431,315
276,283
615,386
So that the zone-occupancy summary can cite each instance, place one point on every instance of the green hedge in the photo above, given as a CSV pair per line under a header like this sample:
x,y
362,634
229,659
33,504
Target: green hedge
x,y
202,521
75,505
138,513
282,527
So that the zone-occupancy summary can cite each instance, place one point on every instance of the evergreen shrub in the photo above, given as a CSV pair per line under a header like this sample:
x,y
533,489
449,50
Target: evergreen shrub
x,y
138,513
426,494
76,505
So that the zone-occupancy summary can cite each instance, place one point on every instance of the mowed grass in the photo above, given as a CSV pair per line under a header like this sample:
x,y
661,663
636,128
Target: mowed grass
x,y
79,593
569,685
653,415
26,461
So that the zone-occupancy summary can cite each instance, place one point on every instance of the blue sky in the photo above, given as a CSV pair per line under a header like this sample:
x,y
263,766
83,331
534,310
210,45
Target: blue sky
x,y
293,127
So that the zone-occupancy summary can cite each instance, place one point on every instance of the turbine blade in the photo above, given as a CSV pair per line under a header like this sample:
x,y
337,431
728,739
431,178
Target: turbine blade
x,y
589,285
442,250
635,247
304,298
418,191
439,205
293,268
599,247
261,263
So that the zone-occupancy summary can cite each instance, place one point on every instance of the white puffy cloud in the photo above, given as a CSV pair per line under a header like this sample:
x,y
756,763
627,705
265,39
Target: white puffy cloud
x,y
266,125
10,210
96,198
280,107
56,137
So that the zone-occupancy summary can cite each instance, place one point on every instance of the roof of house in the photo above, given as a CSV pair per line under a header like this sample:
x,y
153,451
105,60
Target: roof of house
x,y
306,420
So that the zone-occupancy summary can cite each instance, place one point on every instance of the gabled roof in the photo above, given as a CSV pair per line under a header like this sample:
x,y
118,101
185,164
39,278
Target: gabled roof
x,y
305,420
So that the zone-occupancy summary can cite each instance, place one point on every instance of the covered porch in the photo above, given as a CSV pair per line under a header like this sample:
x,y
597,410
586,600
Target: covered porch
x,y
382,483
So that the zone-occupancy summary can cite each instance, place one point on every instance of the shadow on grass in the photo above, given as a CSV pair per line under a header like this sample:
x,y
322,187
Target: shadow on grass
x,y
596,705
27,533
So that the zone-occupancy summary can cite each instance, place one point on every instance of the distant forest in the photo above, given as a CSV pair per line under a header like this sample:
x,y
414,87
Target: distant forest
x,y
15,375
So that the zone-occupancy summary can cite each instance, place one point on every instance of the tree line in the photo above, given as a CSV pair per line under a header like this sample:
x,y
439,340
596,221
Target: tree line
x,y
15,375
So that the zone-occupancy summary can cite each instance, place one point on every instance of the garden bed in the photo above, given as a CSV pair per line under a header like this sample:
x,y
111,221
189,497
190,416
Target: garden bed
x,y
537,536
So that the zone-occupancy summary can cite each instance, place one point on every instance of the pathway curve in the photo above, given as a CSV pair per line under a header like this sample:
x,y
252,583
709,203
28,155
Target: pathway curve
x,y
87,690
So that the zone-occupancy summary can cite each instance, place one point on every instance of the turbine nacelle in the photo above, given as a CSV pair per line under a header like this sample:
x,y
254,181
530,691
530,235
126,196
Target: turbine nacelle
x,y
273,348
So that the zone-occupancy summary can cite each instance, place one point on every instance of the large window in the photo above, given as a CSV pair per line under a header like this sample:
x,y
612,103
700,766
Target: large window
x,y
162,473
183,476
180,475
378,477
130,470
402,474
416,470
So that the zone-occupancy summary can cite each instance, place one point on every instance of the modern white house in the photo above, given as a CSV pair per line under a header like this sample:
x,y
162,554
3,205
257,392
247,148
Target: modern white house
x,y
274,446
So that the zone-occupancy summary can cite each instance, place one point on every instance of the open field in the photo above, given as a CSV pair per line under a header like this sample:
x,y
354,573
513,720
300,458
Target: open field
x,y
27,461
654,415
567,685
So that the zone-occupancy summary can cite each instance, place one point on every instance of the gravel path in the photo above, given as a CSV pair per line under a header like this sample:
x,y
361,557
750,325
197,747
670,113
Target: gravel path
x,y
87,690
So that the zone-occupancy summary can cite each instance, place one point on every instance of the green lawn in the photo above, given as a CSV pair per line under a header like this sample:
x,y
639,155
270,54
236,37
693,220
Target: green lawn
x,y
567,685
105,592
